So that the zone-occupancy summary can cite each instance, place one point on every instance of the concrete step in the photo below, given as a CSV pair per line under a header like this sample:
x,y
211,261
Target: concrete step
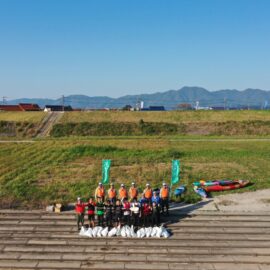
x,y
193,217
133,258
59,250
171,223
38,240
138,243
27,265
188,230
176,236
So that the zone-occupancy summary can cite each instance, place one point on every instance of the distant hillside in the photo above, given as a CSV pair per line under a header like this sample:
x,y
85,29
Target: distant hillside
x,y
169,99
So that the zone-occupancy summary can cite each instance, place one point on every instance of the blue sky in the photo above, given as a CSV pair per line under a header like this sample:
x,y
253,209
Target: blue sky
x,y
118,47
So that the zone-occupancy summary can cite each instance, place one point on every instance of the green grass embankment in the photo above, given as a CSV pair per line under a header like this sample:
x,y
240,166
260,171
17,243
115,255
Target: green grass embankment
x,y
229,128
33,175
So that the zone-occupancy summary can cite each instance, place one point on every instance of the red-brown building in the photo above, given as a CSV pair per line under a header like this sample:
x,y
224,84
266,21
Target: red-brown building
x,y
21,107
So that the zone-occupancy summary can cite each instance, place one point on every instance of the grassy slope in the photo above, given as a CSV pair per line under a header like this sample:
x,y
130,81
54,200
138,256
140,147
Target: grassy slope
x,y
32,117
60,170
169,116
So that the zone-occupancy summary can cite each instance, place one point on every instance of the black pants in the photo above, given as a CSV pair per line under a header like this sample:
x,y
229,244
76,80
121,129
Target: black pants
x,y
135,219
146,220
126,219
80,219
165,204
100,220
155,219
108,220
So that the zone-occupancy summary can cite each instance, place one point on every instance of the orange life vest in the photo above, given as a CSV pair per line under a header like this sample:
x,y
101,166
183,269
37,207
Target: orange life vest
x,y
100,192
148,193
133,192
164,192
123,193
112,193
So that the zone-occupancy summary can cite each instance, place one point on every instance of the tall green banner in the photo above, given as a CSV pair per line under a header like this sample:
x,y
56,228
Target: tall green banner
x,y
106,165
175,172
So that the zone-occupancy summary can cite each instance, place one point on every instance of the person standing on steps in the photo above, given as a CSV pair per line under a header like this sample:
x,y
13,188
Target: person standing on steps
x,y
117,213
133,192
100,211
155,214
123,194
109,213
146,214
79,209
156,205
112,194
126,212
164,195
135,212
100,192
91,212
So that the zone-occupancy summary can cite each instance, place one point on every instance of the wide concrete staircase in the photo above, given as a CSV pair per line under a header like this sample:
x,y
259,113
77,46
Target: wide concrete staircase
x,y
48,122
201,240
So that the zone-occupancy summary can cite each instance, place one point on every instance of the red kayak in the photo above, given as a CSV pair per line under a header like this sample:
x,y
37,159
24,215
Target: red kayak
x,y
236,184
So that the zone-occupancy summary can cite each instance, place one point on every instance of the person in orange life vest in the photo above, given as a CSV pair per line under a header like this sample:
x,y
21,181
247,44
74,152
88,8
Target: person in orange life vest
x,y
91,212
164,195
100,192
112,193
123,194
148,193
133,192
79,209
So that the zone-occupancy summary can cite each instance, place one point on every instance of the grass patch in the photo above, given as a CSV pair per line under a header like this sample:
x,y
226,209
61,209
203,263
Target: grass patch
x,y
31,117
32,175
174,117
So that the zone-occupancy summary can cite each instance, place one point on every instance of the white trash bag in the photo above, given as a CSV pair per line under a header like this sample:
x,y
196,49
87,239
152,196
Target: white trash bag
x,y
128,231
118,230
104,232
82,231
132,232
159,232
148,232
99,232
143,233
89,233
154,231
94,231
123,232
165,233
112,232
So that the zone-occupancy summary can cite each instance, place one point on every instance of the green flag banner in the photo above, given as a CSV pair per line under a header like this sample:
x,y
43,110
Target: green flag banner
x,y
106,165
175,172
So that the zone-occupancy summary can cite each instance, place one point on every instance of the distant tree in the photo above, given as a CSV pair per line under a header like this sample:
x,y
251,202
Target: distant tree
x,y
127,108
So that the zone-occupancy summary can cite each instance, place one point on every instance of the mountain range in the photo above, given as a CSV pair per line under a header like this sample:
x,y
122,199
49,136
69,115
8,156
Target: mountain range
x,y
169,99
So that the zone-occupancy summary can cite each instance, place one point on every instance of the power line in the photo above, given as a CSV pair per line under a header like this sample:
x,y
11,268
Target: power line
x,y
4,100
63,103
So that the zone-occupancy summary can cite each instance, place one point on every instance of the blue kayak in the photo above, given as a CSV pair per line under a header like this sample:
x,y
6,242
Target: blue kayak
x,y
201,192
180,190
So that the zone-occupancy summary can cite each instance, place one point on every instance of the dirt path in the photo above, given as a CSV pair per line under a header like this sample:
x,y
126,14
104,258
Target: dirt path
x,y
256,201
48,122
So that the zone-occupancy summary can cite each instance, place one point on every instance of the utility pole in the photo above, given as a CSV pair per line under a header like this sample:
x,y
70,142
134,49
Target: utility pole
x,y
63,103
225,104
4,100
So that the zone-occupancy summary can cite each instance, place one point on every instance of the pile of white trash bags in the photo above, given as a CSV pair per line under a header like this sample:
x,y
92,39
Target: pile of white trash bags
x,y
125,231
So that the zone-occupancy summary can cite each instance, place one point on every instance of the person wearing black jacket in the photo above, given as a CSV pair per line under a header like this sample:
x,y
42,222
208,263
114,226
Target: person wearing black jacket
x,y
109,213
100,211
117,213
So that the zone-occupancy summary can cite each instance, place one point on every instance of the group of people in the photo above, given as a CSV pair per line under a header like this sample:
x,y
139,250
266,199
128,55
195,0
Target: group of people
x,y
114,208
